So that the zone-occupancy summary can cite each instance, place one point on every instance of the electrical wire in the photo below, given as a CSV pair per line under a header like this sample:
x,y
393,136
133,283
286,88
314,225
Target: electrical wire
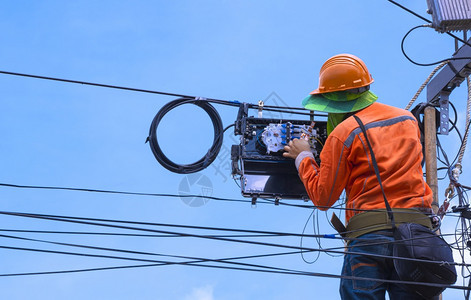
x,y
254,267
425,64
193,227
212,100
161,262
124,192
195,259
248,232
263,200
427,20
311,215
212,152
260,200
93,84
454,122
78,220
131,234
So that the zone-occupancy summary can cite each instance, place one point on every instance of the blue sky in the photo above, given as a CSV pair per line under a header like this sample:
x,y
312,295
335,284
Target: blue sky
x,y
59,134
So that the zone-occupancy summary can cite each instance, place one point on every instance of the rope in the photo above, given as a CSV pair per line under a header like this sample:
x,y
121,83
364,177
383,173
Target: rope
x,y
468,117
437,68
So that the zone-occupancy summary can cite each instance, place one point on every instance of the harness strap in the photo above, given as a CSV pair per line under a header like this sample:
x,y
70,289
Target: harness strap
x,y
375,167
375,220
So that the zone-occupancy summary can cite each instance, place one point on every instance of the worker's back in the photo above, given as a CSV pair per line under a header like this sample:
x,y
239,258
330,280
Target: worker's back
x,y
395,139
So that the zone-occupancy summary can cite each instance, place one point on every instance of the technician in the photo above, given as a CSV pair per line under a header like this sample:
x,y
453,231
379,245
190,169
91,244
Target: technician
x,y
344,90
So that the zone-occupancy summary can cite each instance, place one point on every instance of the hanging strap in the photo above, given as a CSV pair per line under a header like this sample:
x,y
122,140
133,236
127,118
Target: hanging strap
x,y
375,167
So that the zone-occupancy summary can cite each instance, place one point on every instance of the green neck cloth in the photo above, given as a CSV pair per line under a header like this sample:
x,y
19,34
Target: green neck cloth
x,y
333,120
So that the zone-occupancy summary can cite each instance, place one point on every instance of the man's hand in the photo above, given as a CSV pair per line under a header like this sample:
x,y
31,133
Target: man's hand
x,y
295,147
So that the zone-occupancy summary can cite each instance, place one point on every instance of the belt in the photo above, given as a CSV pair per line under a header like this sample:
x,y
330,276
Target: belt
x,y
375,220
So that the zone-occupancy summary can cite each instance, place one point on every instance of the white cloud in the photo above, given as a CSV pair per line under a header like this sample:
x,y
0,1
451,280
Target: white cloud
x,y
201,293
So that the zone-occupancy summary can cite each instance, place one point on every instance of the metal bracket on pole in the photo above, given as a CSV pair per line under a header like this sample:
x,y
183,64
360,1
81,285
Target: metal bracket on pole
x,y
444,113
260,108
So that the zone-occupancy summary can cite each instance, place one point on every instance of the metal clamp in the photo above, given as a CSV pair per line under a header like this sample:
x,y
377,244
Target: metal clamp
x,y
254,201
277,200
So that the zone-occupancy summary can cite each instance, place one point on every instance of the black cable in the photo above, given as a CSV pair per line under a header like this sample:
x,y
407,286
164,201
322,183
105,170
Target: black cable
x,y
78,270
195,259
132,234
265,200
311,215
161,262
427,20
218,101
465,187
260,268
445,156
93,84
173,256
80,221
212,152
427,64
123,192
248,231
455,121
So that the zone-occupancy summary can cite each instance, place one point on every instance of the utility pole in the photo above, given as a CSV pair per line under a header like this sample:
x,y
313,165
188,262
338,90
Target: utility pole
x,y
430,130
438,92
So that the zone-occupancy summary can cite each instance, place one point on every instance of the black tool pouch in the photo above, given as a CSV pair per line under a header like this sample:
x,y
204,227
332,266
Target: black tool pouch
x,y
419,242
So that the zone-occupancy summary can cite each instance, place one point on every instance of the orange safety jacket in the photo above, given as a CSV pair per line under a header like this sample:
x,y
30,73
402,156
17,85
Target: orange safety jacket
x,y
346,163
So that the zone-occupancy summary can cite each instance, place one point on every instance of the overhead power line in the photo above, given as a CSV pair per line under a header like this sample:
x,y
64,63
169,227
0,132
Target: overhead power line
x,y
263,201
131,234
246,267
248,231
82,221
93,84
274,108
193,259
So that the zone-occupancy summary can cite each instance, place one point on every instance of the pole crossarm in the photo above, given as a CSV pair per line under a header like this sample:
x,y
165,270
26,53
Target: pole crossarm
x,y
450,77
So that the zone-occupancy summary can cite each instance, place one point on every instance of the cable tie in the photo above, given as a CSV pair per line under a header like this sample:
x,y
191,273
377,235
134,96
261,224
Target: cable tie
x,y
329,236
443,263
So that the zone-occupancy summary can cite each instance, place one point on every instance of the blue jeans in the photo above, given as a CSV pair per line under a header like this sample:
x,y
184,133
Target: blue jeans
x,y
372,267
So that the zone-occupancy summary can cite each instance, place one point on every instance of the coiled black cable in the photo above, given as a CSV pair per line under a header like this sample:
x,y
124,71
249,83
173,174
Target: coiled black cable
x,y
212,152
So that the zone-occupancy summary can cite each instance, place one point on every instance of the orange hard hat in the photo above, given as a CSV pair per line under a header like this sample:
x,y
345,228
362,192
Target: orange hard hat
x,y
342,72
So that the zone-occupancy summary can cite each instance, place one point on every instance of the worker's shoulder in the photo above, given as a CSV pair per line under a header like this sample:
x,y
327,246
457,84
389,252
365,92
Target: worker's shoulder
x,y
380,111
377,114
